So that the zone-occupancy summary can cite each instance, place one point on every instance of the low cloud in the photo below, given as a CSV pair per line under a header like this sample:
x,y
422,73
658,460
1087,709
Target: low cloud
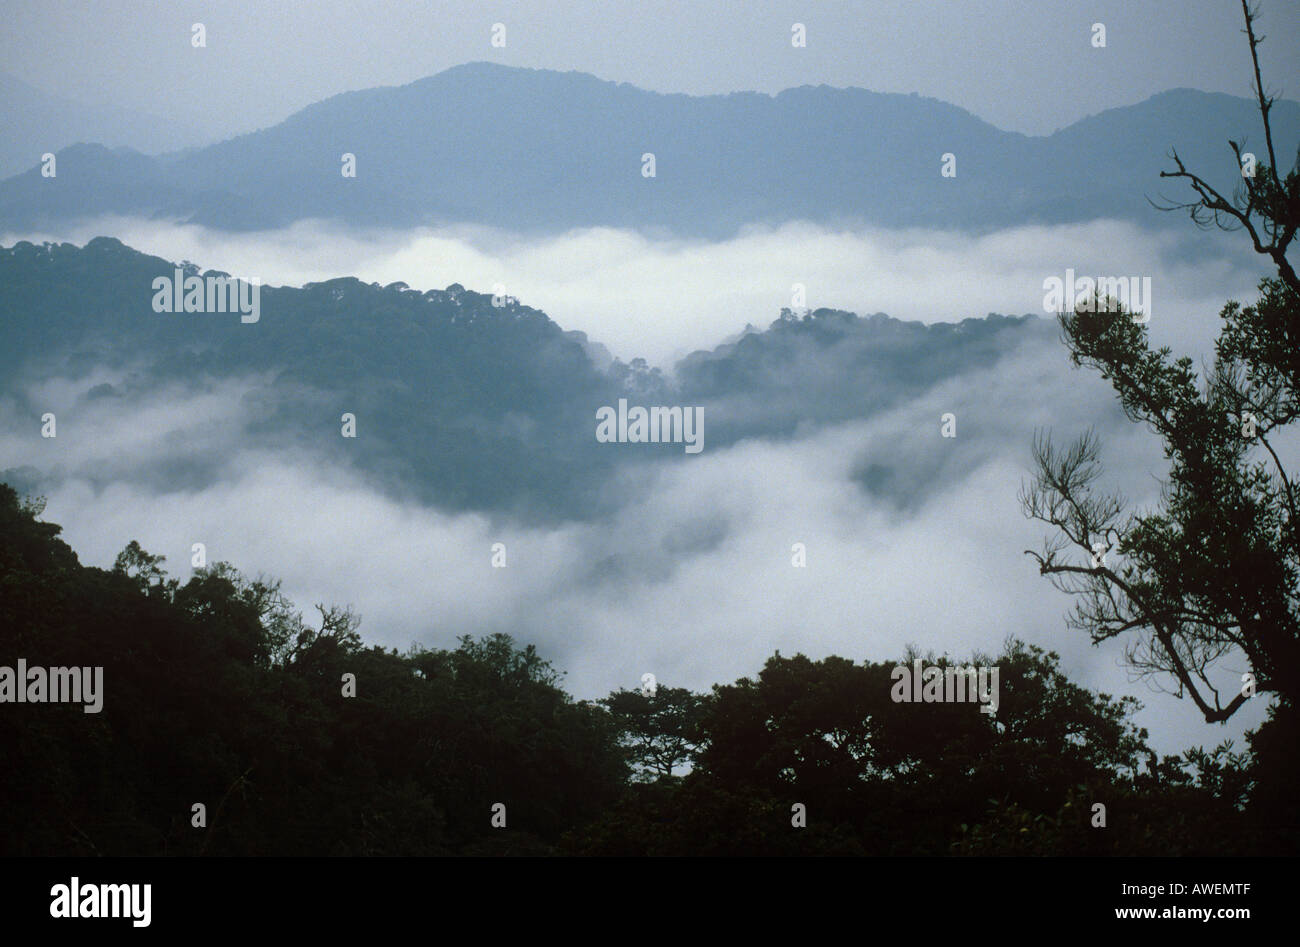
x,y
662,298
691,577
911,538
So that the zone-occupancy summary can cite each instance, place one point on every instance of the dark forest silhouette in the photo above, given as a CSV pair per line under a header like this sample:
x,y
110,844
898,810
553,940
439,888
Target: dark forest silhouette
x,y
216,691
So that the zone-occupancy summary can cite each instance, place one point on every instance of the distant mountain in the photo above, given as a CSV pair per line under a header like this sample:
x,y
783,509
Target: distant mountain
x,y
35,122
536,150
459,402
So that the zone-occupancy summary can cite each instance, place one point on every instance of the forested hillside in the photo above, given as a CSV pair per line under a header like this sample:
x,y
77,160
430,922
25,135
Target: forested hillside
x,y
217,691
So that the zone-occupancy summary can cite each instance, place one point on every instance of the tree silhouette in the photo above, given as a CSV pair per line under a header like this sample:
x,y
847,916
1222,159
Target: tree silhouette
x,y
1212,572
661,731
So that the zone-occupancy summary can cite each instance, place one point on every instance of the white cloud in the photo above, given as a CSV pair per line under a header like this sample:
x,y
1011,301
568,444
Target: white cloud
x,y
661,298
691,578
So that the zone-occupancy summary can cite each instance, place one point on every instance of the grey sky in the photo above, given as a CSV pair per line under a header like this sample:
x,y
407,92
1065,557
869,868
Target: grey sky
x,y
1025,65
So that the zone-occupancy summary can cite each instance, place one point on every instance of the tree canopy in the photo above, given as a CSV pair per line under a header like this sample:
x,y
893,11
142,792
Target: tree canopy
x,y
218,692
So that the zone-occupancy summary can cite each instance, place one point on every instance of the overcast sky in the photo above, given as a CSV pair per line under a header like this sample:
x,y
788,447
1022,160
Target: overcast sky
x,y
1025,65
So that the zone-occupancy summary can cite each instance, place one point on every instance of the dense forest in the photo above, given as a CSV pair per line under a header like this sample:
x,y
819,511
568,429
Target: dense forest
x,y
461,403
217,692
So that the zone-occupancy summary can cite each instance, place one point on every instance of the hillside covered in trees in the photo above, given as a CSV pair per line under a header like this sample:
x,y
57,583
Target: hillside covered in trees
x,y
217,692
461,403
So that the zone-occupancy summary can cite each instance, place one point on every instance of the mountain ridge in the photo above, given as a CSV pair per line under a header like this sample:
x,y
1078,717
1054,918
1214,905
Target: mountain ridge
x,y
541,151
461,403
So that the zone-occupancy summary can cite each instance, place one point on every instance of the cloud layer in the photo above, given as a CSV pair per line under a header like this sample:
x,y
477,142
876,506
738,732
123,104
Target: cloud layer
x,y
911,538
691,578
662,298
